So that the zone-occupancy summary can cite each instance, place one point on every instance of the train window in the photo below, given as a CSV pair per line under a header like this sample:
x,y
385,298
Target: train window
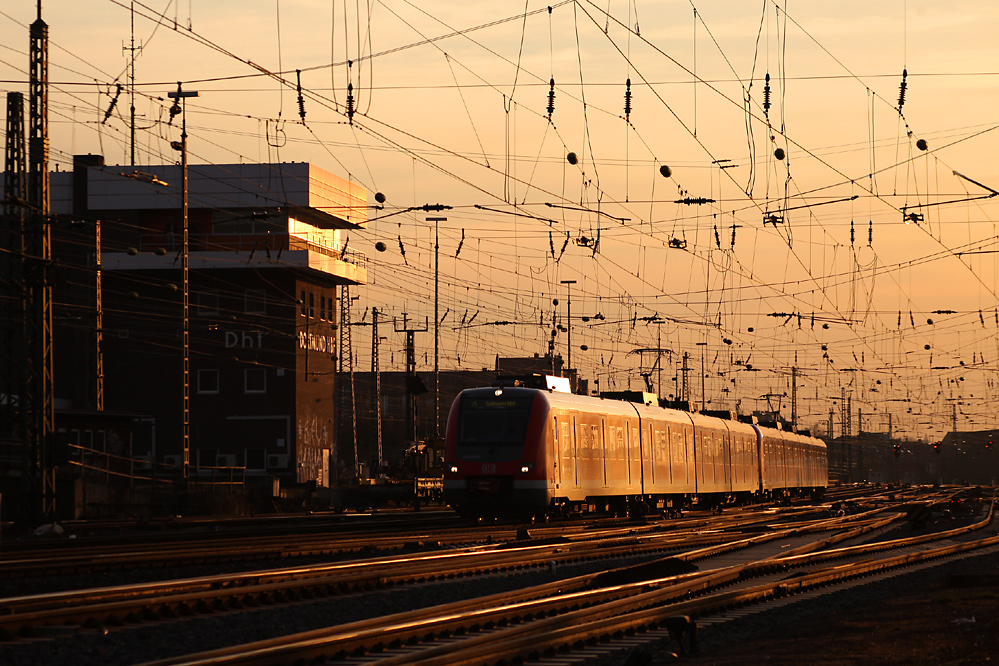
x,y
493,427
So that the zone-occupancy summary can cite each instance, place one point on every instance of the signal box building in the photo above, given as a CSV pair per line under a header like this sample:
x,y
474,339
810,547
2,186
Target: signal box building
x,y
268,258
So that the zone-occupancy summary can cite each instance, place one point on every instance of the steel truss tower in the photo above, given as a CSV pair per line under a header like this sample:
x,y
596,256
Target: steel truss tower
x,y
37,400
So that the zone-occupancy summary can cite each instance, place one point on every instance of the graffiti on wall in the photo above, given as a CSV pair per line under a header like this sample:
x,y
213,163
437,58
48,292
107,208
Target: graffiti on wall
x,y
313,435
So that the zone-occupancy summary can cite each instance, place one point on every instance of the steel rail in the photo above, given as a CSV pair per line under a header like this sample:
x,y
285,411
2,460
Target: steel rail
x,y
204,594
599,605
87,559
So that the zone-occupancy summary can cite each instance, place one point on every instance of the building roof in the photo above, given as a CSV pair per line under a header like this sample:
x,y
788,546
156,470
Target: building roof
x,y
306,191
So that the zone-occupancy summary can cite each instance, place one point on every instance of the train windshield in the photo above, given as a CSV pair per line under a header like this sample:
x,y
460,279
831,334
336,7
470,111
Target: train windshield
x,y
493,427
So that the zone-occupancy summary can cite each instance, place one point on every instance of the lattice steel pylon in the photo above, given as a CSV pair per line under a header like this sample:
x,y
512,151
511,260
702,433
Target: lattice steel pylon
x,y
347,352
13,381
38,402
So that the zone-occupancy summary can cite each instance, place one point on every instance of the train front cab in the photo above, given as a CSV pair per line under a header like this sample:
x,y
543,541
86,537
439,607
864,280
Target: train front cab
x,y
499,442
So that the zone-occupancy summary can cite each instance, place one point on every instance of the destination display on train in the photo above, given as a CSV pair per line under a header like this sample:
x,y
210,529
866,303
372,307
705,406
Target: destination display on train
x,y
493,403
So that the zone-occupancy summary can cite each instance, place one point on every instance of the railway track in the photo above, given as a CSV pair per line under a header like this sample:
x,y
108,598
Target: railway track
x,y
704,539
568,614
205,594
69,558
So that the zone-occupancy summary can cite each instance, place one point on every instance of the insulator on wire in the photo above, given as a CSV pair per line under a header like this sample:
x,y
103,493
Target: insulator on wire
x,y
766,94
717,237
564,245
460,243
870,232
901,91
114,102
301,100
402,250
551,98
627,101
853,233
350,102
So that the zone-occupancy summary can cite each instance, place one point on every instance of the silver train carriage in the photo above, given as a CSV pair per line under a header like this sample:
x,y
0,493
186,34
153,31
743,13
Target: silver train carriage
x,y
513,450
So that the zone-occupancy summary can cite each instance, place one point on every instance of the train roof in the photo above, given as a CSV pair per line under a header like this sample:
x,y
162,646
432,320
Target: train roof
x,y
652,411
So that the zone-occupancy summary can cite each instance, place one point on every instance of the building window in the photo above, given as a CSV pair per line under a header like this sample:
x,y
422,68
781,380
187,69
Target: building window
x,y
208,302
236,222
208,381
322,308
256,459
255,380
255,301
312,306
301,303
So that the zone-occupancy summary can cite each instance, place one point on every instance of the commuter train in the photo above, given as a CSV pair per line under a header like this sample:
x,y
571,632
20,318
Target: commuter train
x,y
536,453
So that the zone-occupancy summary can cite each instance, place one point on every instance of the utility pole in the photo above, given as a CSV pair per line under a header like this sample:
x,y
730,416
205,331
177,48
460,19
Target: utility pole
x,y
437,326
794,399
180,106
568,325
131,48
376,371
412,411
659,360
685,394
702,345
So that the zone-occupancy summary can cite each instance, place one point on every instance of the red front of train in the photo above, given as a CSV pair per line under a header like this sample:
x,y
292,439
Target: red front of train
x,y
494,452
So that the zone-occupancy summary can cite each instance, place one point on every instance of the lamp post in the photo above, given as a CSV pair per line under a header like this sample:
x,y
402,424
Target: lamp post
x,y
180,106
568,324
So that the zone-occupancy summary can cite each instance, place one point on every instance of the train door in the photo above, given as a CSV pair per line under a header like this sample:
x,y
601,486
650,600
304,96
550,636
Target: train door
x,y
703,444
670,455
575,455
627,450
635,440
556,454
648,462
693,456
601,433
728,475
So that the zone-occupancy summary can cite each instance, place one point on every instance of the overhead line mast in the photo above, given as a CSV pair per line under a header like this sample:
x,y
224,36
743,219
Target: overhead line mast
x,y
38,403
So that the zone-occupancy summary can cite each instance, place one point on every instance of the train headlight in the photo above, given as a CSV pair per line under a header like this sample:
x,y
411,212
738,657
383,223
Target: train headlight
x,y
454,469
526,468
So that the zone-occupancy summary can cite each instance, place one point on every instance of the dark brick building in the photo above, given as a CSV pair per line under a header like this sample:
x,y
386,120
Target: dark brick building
x,y
267,265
